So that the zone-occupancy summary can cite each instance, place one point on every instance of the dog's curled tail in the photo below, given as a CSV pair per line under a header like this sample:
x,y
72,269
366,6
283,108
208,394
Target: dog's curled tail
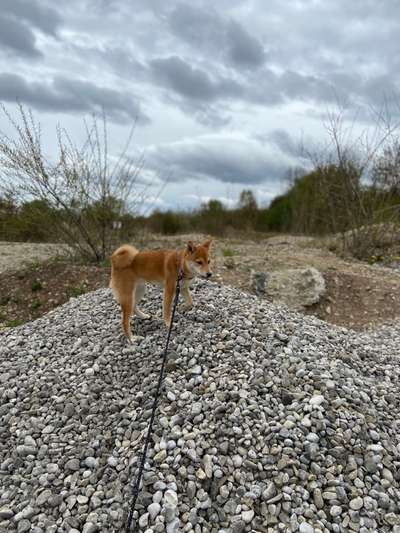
x,y
123,256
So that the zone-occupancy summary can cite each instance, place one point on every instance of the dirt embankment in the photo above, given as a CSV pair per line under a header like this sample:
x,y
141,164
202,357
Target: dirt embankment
x,y
18,255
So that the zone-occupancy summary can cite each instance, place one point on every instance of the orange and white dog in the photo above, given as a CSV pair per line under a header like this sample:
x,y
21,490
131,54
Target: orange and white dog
x,y
130,269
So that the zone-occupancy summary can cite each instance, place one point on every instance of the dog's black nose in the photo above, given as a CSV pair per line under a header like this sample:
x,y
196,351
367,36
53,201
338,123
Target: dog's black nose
x,y
209,274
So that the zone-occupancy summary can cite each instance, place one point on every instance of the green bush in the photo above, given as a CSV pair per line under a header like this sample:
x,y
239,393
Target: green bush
x,y
277,217
35,305
36,285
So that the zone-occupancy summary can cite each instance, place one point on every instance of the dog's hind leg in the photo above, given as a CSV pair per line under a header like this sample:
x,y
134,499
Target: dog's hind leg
x,y
123,290
126,306
140,290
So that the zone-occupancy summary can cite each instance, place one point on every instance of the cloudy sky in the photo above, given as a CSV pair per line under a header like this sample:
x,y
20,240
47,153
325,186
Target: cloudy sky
x,y
222,91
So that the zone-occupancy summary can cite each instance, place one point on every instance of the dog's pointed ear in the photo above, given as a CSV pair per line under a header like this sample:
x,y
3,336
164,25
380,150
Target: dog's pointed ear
x,y
207,243
190,247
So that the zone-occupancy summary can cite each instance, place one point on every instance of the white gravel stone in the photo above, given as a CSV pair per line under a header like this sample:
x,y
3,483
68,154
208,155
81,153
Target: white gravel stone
x,y
154,510
171,498
306,528
317,400
356,503
247,516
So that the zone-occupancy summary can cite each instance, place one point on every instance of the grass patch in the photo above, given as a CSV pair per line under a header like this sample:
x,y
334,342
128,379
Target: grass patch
x,y
228,252
35,305
78,290
4,300
377,258
105,263
14,323
35,264
36,285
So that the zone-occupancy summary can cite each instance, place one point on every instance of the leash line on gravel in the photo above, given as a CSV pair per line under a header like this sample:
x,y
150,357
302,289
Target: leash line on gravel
x,y
137,481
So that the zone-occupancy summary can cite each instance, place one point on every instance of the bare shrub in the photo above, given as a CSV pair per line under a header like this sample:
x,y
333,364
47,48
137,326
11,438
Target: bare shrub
x,y
88,191
357,182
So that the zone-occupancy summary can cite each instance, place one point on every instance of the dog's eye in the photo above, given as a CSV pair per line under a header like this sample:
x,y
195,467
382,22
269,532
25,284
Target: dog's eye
x,y
199,262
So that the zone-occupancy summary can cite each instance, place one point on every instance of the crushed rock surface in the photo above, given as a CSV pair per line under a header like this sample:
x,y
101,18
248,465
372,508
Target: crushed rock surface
x,y
268,421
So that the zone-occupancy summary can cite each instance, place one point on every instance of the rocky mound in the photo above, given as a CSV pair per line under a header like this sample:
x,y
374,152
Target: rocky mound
x,y
269,421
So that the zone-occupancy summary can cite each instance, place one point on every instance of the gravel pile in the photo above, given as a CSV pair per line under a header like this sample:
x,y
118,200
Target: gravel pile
x,y
269,421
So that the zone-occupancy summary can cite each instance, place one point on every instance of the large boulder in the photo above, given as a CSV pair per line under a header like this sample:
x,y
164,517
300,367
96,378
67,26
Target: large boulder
x,y
295,287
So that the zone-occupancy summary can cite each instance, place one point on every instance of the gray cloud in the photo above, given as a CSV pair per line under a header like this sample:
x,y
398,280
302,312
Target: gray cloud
x,y
244,50
209,74
19,19
197,87
208,64
223,36
34,13
116,59
191,82
211,115
198,27
124,62
225,158
17,38
270,89
306,87
195,91
283,141
65,95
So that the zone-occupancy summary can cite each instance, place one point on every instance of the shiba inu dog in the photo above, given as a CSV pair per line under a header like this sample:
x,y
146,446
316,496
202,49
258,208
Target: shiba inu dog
x,y
131,269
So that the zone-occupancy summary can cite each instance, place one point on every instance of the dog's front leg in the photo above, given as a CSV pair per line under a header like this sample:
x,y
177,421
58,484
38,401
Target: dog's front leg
x,y
186,295
169,289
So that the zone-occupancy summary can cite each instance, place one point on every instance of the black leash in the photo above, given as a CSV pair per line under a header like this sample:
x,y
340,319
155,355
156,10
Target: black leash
x,y
136,484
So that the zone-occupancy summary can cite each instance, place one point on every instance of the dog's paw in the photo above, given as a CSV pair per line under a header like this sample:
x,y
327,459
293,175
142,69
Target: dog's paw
x,y
167,322
185,307
133,339
141,315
